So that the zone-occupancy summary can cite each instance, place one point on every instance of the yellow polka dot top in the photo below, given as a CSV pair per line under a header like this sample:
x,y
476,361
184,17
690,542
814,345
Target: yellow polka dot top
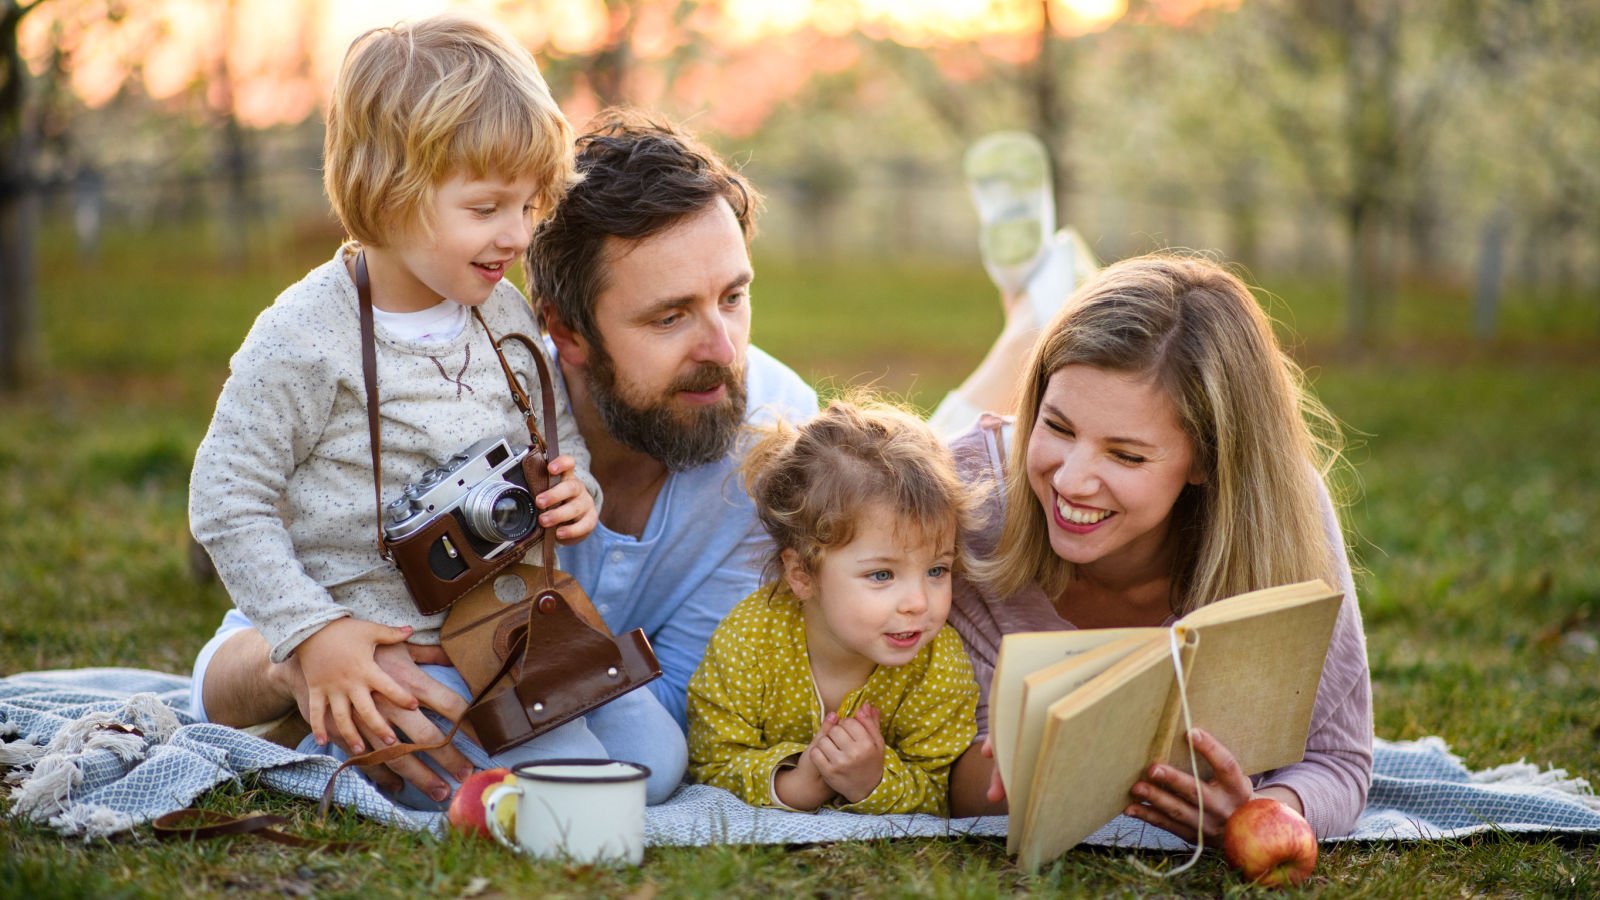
x,y
753,707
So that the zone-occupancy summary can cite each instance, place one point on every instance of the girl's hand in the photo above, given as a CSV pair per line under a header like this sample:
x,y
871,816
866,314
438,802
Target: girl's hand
x,y
849,754
567,506
1169,798
801,786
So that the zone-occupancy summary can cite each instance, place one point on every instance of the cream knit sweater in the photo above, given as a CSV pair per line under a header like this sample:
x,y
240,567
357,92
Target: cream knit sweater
x,y
281,493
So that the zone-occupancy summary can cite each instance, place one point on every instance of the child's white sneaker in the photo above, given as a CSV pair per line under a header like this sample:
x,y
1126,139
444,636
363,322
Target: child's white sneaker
x,y
1008,174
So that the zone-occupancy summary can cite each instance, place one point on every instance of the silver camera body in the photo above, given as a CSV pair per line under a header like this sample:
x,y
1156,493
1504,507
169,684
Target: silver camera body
x,y
484,487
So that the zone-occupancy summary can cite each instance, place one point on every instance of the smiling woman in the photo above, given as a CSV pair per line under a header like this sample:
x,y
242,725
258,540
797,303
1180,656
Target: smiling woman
x,y
1166,455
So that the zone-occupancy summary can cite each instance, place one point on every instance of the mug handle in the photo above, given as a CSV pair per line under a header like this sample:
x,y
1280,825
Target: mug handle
x,y
491,816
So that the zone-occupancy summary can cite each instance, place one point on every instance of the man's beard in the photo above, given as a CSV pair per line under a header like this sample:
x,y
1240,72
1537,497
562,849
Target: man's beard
x,y
678,439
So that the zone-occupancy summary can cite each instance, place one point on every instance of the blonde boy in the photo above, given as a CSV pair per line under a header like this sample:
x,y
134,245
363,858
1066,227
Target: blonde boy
x,y
443,147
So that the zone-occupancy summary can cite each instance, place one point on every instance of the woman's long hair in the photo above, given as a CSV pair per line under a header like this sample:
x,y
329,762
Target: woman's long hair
x,y
1260,439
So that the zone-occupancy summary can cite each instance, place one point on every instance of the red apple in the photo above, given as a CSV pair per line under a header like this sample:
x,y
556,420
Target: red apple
x,y
1269,843
466,812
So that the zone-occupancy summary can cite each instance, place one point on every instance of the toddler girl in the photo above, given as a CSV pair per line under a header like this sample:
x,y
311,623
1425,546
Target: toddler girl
x,y
837,685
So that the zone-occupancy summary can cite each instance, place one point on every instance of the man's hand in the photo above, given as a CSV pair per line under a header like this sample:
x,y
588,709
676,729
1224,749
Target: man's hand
x,y
567,506
849,753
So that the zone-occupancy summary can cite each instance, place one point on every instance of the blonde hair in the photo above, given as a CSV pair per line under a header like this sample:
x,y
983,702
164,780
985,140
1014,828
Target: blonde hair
x,y
1260,439
812,483
416,103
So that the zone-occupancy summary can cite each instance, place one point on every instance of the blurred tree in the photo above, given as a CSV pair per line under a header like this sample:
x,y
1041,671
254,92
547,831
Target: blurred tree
x,y
1024,80
1343,89
602,68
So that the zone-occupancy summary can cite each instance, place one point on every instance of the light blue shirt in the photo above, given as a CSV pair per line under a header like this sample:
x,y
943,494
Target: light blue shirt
x,y
701,552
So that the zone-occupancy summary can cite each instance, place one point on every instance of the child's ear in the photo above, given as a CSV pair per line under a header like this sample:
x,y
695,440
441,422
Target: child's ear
x,y
794,572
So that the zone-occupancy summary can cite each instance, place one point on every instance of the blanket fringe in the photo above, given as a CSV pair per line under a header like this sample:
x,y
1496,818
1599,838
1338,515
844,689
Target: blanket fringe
x,y
45,793
1525,774
92,821
19,753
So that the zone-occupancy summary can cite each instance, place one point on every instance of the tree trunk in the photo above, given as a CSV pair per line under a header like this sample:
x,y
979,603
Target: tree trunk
x,y
18,207
1491,260
19,216
1052,119
233,153
1364,280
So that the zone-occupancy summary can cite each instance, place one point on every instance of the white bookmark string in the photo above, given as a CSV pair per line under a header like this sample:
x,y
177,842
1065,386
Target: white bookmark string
x,y
1194,762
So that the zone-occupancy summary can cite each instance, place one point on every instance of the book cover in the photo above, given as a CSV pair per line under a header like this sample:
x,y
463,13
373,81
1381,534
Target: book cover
x,y
1082,720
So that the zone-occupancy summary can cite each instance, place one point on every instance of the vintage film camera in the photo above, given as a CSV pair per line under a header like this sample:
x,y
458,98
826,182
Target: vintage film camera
x,y
463,521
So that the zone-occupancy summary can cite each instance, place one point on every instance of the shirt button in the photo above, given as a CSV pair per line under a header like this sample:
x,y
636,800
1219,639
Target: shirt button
x,y
605,607
616,556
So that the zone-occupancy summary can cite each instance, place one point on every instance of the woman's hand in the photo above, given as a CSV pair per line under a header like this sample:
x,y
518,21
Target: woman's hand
x,y
1169,798
997,788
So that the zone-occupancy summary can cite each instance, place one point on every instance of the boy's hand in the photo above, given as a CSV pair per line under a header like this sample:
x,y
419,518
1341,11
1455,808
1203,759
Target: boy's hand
x,y
401,661
567,506
849,754
342,675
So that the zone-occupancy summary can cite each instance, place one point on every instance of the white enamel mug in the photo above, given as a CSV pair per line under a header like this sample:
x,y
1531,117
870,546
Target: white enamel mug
x,y
577,810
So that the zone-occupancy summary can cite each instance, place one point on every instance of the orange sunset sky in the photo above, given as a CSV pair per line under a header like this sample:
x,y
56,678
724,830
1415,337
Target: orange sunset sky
x,y
283,53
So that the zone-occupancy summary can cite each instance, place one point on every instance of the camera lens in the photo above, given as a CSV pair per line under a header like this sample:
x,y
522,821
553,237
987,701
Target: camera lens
x,y
499,511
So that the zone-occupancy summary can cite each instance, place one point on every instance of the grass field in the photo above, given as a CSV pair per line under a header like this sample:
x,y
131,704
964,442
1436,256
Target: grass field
x,y
1476,493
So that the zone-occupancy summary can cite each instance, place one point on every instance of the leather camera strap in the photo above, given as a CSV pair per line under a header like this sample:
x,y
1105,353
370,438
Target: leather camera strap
x,y
369,374
205,824
547,439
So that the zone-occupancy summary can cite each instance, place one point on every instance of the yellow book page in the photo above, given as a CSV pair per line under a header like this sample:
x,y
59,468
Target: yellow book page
x,y
1252,680
1096,744
1021,655
1043,688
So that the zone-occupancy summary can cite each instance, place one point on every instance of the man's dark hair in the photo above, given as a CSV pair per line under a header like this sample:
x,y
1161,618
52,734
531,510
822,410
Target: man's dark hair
x,y
639,177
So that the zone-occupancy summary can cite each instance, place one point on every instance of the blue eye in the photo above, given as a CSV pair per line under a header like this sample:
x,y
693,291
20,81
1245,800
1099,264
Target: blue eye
x,y
880,576
938,571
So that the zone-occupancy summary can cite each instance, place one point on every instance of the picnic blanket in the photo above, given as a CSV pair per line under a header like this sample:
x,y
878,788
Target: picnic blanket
x,y
95,752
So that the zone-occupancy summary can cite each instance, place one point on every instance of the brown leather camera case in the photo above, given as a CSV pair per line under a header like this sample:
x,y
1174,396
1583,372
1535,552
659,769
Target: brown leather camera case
x,y
573,665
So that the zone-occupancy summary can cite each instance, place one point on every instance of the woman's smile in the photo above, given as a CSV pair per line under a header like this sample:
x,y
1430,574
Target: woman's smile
x,y
1079,519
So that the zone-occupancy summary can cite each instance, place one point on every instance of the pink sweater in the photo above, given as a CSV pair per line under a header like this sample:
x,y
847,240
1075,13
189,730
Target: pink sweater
x,y
1331,781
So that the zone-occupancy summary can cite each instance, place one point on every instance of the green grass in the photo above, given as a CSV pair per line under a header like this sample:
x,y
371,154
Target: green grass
x,y
1474,525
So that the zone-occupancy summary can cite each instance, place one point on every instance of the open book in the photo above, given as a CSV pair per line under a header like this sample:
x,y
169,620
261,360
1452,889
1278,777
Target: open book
x,y
1076,717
